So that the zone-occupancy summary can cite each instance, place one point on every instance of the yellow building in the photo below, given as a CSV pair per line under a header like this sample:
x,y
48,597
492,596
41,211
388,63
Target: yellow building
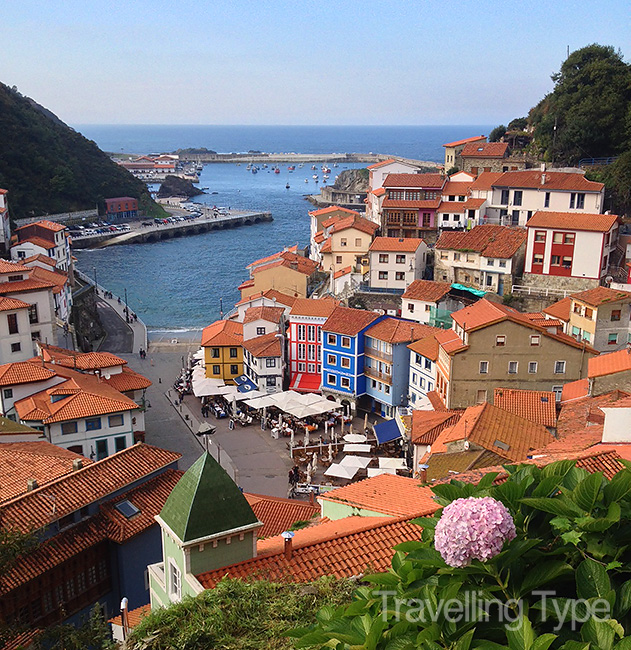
x,y
223,354
347,243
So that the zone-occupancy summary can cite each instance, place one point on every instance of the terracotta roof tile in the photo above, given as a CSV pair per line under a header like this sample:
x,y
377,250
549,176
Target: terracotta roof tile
x,y
429,181
327,247
222,332
12,304
450,341
427,347
436,401
609,364
427,425
23,372
380,191
394,244
349,321
451,207
126,381
53,226
396,330
331,210
575,390
457,188
473,204
345,271
485,181
534,405
486,239
289,260
274,256
357,223
271,314
272,294
560,309
20,286
601,295
389,494
134,616
573,221
277,514
531,179
442,465
267,345
381,164
347,547
39,257
12,267
457,143
580,415
426,290
57,278
484,150
318,307
37,241
428,204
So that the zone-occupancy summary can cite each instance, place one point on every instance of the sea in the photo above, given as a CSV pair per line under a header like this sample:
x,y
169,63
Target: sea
x,y
179,286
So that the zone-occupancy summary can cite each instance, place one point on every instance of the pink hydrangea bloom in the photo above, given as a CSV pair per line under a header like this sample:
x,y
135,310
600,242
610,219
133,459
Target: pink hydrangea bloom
x,y
473,528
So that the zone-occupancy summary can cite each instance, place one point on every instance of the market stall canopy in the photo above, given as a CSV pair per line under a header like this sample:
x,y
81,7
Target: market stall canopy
x,y
387,431
204,387
355,437
392,463
355,461
377,471
199,355
341,471
356,448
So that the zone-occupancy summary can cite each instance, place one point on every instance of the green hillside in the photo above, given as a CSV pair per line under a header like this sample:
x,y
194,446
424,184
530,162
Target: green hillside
x,y
49,167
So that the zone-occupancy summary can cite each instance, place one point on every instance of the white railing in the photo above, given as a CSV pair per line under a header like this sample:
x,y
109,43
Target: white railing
x,y
541,291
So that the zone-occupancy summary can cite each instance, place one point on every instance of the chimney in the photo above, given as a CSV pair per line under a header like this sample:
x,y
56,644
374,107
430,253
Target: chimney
x,y
543,179
77,464
311,498
288,536
31,485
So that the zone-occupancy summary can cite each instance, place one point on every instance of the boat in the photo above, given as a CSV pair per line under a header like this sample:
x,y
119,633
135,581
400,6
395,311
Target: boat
x,y
254,170
325,169
313,167
291,168
300,165
249,167
264,165
276,170
315,177
335,164
325,178
287,186
306,180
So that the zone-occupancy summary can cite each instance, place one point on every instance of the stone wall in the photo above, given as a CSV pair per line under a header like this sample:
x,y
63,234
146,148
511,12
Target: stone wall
x,y
85,318
607,383
573,285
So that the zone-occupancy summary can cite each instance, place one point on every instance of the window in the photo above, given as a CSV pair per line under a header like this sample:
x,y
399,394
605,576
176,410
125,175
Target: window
x,y
120,443
546,200
343,241
260,331
68,428
331,339
504,198
175,581
383,258
502,264
93,424
490,262
557,238
301,367
567,263
559,367
345,382
311,352
234,370
301,332
444,255
311,332
270,381
216,370
411,307
12,321
500,341
8,393
330,379
555,260
517,197
537,259
532,368
233,353
383,275
540,235
346,342
270,362
484,367
513,366
331,359
568,238
302,351
115,420
615,314
338,259
214,353
589,312
481,396
101,449
535,339
358,241
346,362
580,201
445,217
399,275
428,364
612,339
400,259
32,314
456,257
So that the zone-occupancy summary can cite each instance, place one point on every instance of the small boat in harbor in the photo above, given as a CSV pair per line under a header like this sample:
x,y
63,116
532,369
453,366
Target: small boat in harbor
x,y
276,170
291,168
313,167
300,165
326,170
254,170
325,178
315,177
287,186
306,180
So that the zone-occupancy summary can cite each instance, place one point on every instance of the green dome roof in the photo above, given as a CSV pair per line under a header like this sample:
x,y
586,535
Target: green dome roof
x,y
206,501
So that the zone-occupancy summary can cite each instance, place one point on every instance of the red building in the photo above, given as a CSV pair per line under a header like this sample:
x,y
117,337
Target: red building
x,y
122,208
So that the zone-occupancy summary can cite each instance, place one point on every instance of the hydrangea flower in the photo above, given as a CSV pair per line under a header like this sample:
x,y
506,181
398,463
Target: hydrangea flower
x,y
473,528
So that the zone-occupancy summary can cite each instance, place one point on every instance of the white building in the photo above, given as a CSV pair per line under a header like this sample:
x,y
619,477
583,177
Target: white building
x,y
396,263
423,357
262,320
43,238
263,361
421,296
16,343
269,298
5,222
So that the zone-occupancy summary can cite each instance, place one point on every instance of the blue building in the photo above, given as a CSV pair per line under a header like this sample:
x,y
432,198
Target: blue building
x,y
387,362
343,354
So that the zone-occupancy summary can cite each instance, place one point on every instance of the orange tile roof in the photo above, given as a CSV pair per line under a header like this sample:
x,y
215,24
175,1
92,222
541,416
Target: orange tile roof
x,y
473,204
245,284
331,209
427,347
451,206
486,425
609,364
345,548
450,341
538,318
486,181
396,330
45,223
485,150
575,390
560,309
274,256
573,221
380,191
327,247
486,239
79,360
272,294
222,333
318,238
457,143
127,381
349,321
426,290
57,278
427,425
39,257
23,372
436,400
429,181
278,514
457,188
582,415
345,271
267,345
428,204
37,241
95,481
381,164
534,405
271,314
396,245
39,460
134,616
12,304
12,267
601,295
531,179
318,307
292,261
480,313
21,286
356,223
389,494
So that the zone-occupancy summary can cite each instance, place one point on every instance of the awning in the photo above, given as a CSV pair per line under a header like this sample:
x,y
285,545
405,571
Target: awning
x,y
387,431
306,383
377,471
357,449
355,437
341,471
475,292
355,461
392,463
246,386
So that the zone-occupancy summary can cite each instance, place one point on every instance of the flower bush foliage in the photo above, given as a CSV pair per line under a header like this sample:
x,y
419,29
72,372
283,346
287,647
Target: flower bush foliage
x,y
561,579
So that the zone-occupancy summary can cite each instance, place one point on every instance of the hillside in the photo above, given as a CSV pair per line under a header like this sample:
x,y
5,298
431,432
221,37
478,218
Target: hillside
x,y
49,167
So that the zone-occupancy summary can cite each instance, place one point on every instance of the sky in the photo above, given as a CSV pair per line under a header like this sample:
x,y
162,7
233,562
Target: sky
x,y
343,62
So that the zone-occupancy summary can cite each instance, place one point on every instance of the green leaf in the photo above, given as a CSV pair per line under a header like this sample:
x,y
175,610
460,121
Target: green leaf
x,y
623,599
592,580
487,480
586,492
543,642
412,545
560,468
425,522
619,487
575,645
542,573
464,642
599,633
547,487
562,524
554,506
520,635
573,537
624,644
389,579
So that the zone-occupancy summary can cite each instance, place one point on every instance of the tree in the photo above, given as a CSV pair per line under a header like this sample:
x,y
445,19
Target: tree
x,y
518,124
617,180
497,133
588,113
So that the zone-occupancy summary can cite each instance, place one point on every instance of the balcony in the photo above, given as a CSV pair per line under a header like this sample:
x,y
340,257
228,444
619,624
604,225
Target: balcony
x,y
375,374
377,354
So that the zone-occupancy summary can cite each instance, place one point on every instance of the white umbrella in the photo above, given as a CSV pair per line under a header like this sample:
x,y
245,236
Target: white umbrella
x,y
306,437
392,463
355,461
309,473
355,437
314,464
357,448
291,438
330,453
341,471
376,471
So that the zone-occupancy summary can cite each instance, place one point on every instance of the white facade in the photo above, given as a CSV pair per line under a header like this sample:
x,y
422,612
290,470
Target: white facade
x,y
12,394
378,173
5,222
16,343
258,327
258,301
485,272
616,429
417,310
397,269
422,381
41,316
265,372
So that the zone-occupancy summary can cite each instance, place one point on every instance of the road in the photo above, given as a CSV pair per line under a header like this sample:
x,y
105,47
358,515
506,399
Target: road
x,y
120,337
